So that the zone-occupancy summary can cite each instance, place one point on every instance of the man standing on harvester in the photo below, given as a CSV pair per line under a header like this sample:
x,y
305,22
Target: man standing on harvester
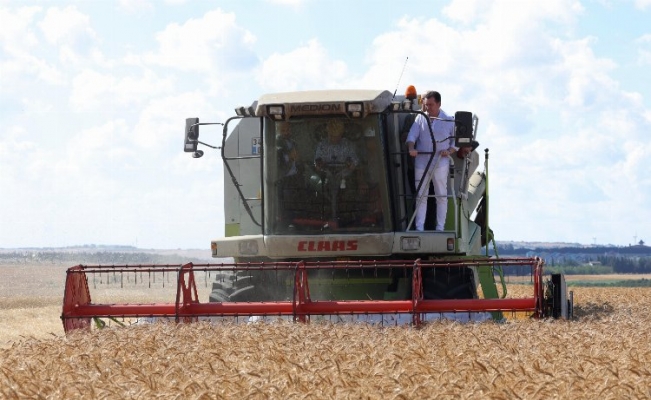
x,y
420,145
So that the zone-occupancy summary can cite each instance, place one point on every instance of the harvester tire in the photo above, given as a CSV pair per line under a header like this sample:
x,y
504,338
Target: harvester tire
x,y
222,287
251,286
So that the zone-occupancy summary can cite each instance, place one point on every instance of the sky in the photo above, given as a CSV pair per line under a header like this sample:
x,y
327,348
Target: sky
x,y
94,97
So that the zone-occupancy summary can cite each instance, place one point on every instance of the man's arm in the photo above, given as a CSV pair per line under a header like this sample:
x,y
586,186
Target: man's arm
x,y
318,156
412,136
451,149
412,151
351,155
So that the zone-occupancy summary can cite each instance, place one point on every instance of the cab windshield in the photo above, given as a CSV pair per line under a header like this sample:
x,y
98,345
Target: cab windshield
x,y
325,174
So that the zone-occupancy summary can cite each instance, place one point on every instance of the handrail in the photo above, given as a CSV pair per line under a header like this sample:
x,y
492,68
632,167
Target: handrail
x,y
245,200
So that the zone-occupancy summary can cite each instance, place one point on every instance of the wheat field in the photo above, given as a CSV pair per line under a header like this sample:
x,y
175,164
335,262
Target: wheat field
x,y
604,353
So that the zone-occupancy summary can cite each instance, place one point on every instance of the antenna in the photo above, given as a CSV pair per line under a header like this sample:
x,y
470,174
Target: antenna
x,y
400,78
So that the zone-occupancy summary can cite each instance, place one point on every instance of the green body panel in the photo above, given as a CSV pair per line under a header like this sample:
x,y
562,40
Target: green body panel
x,y
232,230
488,286
403,291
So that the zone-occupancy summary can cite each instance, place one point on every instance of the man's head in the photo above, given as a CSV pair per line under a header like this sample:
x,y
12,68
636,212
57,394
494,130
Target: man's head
x,y
335,130
432,103
284,129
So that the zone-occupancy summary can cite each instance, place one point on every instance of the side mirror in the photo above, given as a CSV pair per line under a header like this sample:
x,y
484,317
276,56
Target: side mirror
x,y
463,135
191,135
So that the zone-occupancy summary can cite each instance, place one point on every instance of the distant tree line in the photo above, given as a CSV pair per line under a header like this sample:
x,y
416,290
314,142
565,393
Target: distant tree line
x,y
580,270
627,265
510,249
584,260
100,257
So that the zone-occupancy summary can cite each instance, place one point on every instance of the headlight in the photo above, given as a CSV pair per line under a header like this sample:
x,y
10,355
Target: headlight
x,y
248,247
409,243
355,110
277,112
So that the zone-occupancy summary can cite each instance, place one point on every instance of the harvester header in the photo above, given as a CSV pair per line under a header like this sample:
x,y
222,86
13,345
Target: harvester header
x,y
306,301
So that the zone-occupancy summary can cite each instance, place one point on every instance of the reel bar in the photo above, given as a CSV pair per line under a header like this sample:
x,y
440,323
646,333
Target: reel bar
x,y
289,308
78,310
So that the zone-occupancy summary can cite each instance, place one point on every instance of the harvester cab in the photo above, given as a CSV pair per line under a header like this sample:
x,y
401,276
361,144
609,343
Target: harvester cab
x,y
308,171
319,202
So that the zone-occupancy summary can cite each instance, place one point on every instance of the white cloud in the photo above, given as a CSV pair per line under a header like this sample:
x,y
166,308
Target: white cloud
x,y
291,3
70,30
135,6
306,67
36,107
506,14
288,3
94,152
161,121
644,53
465,11
66,26
213,42
642,4
18,40
587,76
644,39
23,66
92,89
86,156
15,31
14,145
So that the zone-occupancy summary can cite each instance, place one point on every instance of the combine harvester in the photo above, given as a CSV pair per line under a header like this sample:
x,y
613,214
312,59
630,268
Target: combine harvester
x,y
312,239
